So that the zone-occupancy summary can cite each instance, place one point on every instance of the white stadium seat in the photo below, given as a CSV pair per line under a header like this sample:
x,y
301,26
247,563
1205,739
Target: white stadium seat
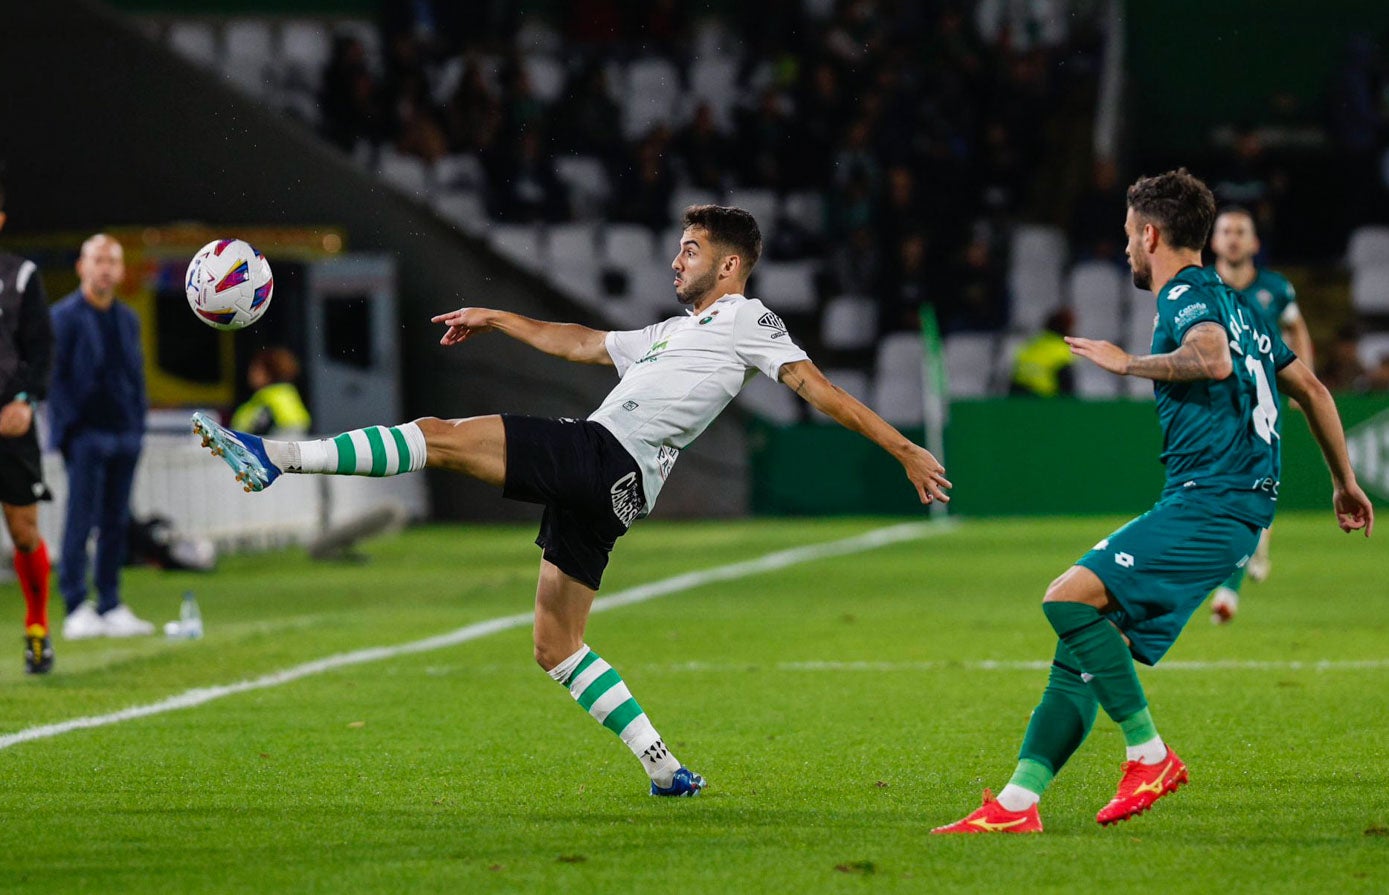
x,y
461,171
305,47
406,173
194,41
1034,292
1037,246
1004,357
1369,289
1373,347
653,85
714,80
574,243
787,287
685,196
849,322
806,209
1096,294
1142,316
248,58
1094,382
651,291
546,76
761,204
969,362
627,245
897,388
1369,247
520,243
464,209
587,182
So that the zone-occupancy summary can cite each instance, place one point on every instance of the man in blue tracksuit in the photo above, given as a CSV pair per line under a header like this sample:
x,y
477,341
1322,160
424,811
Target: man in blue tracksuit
x,y
97,407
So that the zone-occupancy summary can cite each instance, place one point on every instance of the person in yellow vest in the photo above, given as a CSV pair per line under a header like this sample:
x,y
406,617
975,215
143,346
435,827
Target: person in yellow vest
x,y
1042,367
275,405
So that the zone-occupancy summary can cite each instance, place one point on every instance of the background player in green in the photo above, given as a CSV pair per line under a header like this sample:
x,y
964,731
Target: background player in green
x,y
1214,366
1235,243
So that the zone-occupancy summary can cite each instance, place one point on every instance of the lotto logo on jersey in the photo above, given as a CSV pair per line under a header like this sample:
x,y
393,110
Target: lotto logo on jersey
x,y
1124,559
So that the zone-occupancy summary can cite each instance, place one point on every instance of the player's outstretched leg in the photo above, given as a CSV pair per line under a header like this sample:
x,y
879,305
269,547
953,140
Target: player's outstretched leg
x,y
1225,599
1058,726
561,611
243,452
1072,606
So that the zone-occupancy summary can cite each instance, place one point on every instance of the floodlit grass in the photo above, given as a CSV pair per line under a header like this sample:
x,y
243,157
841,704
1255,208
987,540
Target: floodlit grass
x,y
838,709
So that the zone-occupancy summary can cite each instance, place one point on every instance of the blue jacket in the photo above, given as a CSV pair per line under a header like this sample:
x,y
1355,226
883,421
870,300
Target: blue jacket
x,y
82,372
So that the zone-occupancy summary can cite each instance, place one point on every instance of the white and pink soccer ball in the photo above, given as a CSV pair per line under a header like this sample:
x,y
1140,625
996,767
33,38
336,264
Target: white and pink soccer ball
x,y
229,284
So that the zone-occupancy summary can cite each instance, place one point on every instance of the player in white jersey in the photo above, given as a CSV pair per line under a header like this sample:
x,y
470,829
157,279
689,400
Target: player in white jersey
x,y
596,476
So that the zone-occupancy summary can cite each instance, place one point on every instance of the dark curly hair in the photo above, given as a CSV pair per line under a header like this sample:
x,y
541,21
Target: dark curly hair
x,y
1179,204
732,228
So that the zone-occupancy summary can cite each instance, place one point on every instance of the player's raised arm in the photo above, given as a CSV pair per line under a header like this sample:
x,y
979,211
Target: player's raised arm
x,y
922,468
1353,509
569,341
1203,354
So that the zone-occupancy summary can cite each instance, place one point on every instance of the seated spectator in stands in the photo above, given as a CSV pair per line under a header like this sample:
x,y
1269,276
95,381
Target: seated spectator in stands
x,y
473,115
275,406
416,126
521,108
588,120
644,188
973,294
1042,367
704,151
523,187
1342,370
900,211
348,98
1377,379
905,286
857,265
822,117
765,139
1092,223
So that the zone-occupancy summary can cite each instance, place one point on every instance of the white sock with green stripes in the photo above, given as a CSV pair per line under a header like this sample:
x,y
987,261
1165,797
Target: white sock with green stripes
x,y
375,451
598,688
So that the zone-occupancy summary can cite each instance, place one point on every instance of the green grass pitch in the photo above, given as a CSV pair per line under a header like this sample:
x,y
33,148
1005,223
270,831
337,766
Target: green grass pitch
x,y
839,708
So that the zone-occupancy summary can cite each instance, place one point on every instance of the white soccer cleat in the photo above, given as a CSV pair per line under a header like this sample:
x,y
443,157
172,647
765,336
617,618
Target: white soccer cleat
x,y
83,623
1224,605
121,622
1260,564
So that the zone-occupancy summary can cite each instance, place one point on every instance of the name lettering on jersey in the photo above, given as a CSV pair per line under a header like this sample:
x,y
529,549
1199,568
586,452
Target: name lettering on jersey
x,y
1238,325
773,322
1177,292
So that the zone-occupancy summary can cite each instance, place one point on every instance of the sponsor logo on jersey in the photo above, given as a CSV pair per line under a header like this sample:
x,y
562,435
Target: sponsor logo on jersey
x,y
772,322
630,405
665,459
655,350
627,499
1190,312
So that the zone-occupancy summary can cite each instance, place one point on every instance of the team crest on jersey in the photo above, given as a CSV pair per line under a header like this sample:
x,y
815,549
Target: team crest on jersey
x,y
711,316
1265,297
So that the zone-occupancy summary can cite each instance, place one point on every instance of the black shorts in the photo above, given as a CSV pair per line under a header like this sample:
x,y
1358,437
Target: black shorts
x,y
21,471
589,485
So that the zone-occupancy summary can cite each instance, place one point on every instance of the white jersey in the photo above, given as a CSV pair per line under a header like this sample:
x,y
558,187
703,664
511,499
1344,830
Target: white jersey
x,y
679,374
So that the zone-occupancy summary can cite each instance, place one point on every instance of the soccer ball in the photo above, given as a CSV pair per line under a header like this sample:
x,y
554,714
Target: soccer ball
x,y
229,284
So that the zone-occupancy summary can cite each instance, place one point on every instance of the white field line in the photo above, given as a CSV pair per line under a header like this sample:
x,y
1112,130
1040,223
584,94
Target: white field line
x,y
1030,665
771,562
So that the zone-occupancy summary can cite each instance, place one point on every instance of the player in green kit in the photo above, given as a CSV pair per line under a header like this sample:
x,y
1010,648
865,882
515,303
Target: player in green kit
x,y
1217,371
1273,300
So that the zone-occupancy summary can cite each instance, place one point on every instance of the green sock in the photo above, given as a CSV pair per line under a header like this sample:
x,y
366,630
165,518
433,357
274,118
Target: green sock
x,y
1100,650
1235,580
1139,728
1058,726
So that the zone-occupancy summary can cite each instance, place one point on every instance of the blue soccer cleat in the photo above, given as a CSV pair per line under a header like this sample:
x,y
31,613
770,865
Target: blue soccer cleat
x,y
685,783
244,453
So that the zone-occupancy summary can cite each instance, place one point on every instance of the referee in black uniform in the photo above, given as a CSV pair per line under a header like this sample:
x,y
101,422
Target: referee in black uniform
x,y
26,354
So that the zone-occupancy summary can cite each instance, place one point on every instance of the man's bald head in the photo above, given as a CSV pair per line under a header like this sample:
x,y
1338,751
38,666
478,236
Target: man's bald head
x,y
101,268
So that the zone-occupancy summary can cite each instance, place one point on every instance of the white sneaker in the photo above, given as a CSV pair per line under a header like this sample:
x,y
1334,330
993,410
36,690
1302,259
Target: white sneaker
x,y
83,623
121,622
1224,605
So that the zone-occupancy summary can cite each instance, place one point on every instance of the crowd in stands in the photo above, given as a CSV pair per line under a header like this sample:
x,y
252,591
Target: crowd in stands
x,y
922,128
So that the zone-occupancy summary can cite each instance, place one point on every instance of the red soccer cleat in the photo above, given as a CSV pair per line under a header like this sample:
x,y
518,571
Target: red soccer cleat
x,y
991,817
1141,786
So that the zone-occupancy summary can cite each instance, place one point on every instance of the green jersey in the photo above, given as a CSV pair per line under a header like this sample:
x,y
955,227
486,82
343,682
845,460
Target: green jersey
x,y
1272,296
1221,436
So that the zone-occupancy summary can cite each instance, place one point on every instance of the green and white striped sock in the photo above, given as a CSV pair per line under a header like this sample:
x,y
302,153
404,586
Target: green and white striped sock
x,y
598,689
374,451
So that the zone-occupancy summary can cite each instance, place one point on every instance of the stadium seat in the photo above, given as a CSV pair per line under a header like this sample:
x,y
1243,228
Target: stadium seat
x,y
850,322
583,176
653,86
1037,246
536,35
1004,357
1373,347
196,42
627,245
406,173
897,387
714,80
1369,289
579,278
248,58
546,76
855,382
305,48
685,196
461,171
651,291
1094,382
1095,289
1369,247
464,209
770,400
521,243
969,362
1034,292
1142,311
787,287
574,243
806,209
1137,388
761,204
714,38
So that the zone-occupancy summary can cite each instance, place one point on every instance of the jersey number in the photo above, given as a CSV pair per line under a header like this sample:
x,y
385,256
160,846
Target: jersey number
x,y
1266,411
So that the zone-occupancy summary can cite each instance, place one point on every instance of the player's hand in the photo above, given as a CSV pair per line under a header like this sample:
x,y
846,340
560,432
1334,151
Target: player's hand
x,y
463,324
925,472
1353,509
1106,355
15,419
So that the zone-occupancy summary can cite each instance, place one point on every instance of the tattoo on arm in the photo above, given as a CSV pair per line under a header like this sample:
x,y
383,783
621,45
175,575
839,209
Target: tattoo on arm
x,y
1204,354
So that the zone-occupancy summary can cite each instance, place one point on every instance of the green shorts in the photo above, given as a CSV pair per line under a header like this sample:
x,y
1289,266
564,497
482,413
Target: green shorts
x,y
1160,566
